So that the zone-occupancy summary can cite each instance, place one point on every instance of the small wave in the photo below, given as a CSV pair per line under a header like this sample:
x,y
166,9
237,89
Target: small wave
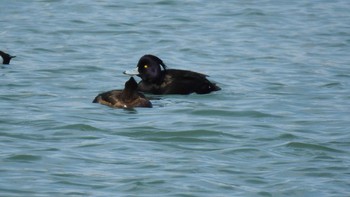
x,y
22,136
287,136
152,131
186,136
80,127
331,85
312,147
240,151
255,114
24,158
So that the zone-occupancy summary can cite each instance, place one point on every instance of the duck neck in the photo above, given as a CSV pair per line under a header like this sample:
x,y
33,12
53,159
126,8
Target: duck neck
x,y
160,79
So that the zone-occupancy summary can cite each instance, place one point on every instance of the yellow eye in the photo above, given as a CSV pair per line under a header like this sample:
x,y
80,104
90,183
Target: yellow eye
x,y
145,66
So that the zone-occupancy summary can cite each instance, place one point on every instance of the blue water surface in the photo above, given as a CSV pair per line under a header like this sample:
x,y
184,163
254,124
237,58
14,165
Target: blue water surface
x,y
279,126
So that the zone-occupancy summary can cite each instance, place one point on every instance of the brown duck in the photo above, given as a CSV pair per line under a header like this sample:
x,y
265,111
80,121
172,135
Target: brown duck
x,y
127,98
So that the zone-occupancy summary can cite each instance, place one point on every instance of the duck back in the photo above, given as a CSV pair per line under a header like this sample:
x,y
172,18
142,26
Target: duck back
x,y
174,81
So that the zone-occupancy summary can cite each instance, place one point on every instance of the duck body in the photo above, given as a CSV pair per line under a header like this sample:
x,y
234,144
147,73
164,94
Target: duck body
x,y
169,81
129,97
6,58
174,81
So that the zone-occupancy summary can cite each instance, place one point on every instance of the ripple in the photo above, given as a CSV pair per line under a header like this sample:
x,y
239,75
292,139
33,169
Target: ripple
x,y
331,85
80,127
254,114
22,136
24,158
287,136
300,145
241,150
185,136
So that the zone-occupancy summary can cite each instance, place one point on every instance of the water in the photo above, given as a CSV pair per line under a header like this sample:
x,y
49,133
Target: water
x,y
279,126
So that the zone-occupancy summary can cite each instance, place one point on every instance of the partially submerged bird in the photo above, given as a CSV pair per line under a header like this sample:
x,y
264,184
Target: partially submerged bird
x,y
169,81
127,98
6,58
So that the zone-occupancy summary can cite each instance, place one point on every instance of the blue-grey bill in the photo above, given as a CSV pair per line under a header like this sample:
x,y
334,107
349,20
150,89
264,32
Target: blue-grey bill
x,y
131,72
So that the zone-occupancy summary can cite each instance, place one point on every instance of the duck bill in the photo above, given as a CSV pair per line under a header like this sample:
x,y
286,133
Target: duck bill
x,y
131,72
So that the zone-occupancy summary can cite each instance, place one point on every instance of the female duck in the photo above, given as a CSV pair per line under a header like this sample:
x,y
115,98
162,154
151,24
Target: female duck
x,y
169,81
127,98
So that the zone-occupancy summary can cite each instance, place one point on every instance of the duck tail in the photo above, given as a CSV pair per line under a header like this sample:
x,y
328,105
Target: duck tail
x,y
214,87
207,88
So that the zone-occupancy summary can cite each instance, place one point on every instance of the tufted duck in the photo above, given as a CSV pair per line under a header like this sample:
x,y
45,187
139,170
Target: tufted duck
x,y
169,81
127,98
6,57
